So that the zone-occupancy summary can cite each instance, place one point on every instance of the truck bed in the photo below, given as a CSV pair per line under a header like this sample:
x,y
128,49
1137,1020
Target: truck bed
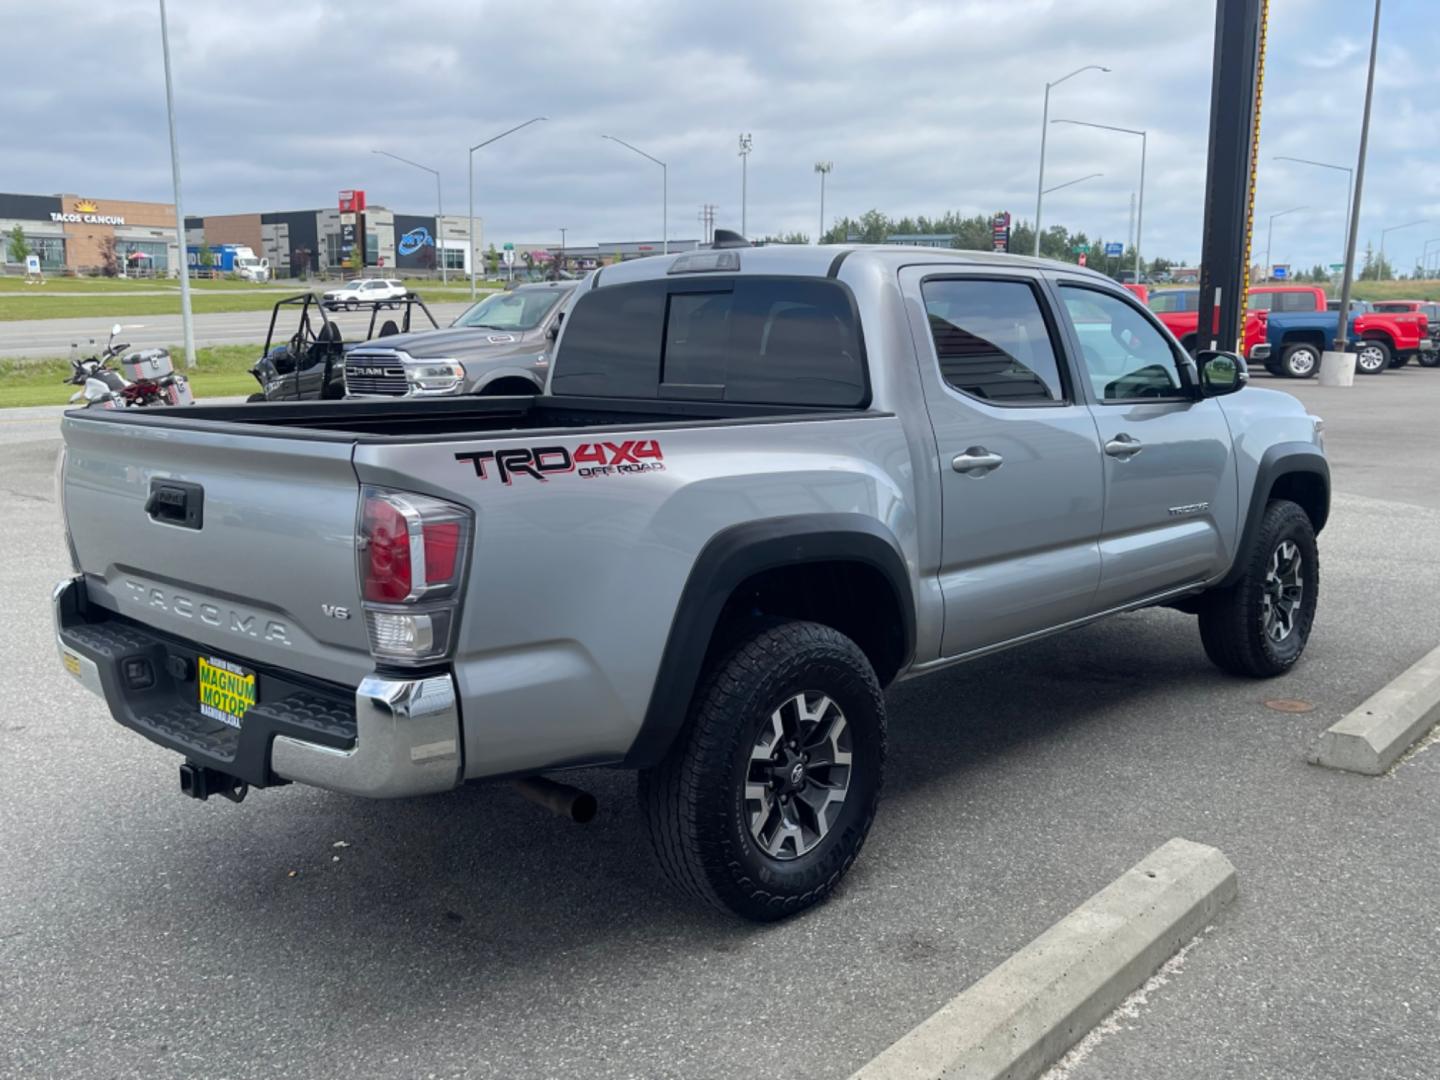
x,y
411,420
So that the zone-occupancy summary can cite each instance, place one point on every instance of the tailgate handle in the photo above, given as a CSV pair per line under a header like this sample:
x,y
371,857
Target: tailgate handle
x,y
176,502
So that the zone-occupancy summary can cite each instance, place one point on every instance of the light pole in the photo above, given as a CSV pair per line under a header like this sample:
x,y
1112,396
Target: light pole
x,y
664,192
1140,210
1071,183
470,240
1270,234
744,161
186,319
1383,234
1342,322
439,208
1425,254
1040,191
1349,189
824,168
562,250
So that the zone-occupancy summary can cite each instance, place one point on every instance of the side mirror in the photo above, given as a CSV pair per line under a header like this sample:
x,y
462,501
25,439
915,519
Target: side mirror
x,y
552,331
1221,372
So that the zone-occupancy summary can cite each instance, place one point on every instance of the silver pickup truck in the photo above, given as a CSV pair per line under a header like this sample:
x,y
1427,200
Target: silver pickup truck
x,y
761,485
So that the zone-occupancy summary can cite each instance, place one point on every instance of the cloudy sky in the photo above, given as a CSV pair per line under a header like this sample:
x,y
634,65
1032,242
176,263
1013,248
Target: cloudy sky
x,y
922,107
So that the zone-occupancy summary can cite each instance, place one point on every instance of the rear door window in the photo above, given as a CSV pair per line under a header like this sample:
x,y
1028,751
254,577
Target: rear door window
x,y
993,341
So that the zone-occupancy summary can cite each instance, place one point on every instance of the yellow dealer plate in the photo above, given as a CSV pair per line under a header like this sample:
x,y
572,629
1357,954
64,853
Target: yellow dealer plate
x,y
226,690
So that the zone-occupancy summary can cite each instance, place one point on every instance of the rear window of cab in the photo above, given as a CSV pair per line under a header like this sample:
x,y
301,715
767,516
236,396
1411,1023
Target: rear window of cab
x,y
748,339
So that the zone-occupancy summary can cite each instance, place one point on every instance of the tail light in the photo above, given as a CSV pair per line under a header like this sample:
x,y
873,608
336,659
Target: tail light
x,y
412,552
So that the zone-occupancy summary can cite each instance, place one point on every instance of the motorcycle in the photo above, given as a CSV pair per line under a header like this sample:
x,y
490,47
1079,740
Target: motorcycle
x,y
152,378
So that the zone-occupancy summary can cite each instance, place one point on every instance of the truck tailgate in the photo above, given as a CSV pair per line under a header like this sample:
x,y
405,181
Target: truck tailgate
x,y
248,549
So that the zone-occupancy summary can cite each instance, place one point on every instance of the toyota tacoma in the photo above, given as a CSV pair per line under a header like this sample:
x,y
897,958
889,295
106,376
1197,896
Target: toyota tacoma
x,y
761,485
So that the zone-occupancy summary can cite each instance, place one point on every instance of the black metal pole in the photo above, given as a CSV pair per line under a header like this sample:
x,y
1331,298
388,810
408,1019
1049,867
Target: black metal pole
x,y
1235,89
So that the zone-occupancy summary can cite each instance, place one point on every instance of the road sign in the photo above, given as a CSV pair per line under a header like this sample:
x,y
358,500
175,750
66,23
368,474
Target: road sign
x,y
1081,249
1115,249
1337,268
508,255
1280,273
509,247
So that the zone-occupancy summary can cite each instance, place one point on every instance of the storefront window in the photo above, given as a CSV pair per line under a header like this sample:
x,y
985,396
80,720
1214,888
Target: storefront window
x,y
454,258
143,256
51,250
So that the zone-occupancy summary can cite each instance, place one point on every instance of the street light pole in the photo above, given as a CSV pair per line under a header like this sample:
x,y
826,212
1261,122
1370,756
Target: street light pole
x,y
1040,191
823,168
664,191
562,249
187,320
1349,187
439,207
1383,234
744,162
1270,235
1342,322
1140,211
1425,253
470,239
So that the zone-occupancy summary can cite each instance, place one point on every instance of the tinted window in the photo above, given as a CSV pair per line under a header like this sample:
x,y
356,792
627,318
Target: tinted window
x,y
992,341
1262,302
611,346
777,341
793,342
1126,357
1295,301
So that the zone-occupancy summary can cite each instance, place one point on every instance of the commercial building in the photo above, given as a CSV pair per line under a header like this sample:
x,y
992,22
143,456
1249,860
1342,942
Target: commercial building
x,y
80,234
298,242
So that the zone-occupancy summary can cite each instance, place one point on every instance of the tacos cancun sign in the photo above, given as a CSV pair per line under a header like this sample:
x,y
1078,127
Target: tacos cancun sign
x,y
87,213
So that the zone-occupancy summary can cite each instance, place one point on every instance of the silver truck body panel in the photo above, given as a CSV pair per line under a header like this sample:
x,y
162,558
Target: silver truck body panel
x,y
278,542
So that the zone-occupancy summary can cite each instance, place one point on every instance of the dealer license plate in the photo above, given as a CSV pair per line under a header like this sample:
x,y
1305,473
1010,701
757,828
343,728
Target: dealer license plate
x,y
226,689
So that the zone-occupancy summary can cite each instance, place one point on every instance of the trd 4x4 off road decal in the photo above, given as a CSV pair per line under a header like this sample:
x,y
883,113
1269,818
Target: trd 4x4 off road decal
x,y
588,460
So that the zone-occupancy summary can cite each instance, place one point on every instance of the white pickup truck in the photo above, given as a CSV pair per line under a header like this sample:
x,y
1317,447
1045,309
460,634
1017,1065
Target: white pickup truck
x,y
362,291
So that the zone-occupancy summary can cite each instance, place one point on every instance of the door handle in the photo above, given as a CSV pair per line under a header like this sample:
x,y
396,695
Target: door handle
x,y
976,461
1123,447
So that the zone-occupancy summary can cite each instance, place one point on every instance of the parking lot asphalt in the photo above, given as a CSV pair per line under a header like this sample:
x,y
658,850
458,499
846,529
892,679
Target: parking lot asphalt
x,y
53,337
308,934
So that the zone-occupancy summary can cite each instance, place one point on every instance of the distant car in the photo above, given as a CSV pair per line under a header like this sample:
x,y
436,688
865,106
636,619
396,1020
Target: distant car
x,y
1357,307
353,293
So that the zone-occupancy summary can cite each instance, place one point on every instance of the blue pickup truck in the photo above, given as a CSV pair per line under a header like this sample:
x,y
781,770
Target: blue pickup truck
x,y
1294,341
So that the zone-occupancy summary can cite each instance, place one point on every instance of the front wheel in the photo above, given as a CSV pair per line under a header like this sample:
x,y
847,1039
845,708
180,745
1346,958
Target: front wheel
x,y
253,398
764,801
1300,361
1260,625
1430,359
1372,358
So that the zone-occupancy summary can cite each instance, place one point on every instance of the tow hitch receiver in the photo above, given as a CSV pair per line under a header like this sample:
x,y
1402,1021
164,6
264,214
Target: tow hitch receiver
x,y
200,783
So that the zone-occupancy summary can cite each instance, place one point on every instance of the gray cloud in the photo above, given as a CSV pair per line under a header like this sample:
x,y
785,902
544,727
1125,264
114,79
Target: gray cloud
x,y
922,107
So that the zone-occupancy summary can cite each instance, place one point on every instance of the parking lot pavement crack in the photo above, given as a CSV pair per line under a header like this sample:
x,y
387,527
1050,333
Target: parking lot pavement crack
x,y
1125,1015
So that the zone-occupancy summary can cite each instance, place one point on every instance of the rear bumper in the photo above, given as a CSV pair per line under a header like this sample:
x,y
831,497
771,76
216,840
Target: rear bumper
x,y
1260,352
391,737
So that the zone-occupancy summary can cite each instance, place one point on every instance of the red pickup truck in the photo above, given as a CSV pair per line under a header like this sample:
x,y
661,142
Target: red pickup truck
x,y
1179,310
1430,309
1400,335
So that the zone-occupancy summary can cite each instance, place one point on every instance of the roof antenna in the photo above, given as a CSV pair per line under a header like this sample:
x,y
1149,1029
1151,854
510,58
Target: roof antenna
x,y
729,238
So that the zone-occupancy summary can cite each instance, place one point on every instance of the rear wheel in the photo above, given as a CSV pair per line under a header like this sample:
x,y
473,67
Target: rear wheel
x,y
254,398
765,800
1399,360
1300,361
1259,626
1430,359
1372,358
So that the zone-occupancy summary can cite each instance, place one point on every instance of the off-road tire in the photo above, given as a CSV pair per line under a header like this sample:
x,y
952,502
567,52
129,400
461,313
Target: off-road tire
x,y
1293,361
1430,359
1371,357
1232,626
1399,360
254,398
693,802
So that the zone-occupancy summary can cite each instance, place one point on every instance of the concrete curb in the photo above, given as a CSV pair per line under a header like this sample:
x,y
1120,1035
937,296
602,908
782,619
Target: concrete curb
x,y
1022,1017
1373,737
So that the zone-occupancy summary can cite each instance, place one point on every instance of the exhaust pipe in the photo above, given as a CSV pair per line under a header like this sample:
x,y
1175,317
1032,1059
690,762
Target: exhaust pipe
x,y
569,802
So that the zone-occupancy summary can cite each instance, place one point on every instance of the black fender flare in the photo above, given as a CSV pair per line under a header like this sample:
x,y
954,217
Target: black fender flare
x,y
729,558
1280,460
